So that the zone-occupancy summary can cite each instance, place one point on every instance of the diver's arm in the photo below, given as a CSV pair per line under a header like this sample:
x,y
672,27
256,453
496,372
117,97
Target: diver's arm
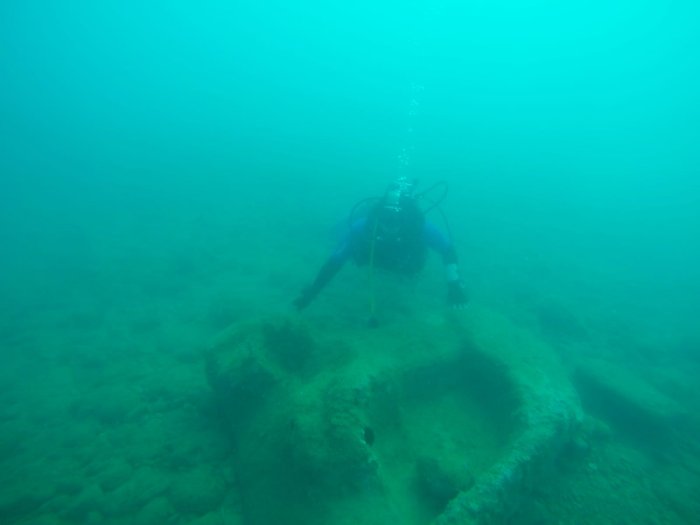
x,y
441,244
324,276
331,267
456,293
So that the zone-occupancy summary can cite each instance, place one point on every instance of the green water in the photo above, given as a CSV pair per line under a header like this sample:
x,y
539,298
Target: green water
x,y
168,169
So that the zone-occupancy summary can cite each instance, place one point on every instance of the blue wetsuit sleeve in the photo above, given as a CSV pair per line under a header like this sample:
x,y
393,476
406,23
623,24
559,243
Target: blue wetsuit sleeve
x,y
436,240
347,246
343,252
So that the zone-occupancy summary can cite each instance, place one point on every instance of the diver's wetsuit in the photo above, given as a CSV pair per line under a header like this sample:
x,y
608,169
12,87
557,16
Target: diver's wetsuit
x,y
402,251
391,251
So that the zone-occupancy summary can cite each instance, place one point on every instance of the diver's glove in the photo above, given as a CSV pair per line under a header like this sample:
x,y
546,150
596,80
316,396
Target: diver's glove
x,y
305,297
456,294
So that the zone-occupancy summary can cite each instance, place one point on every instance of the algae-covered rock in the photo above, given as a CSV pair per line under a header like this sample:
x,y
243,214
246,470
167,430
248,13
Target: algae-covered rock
x,y
110,405
19,501
549,417
91,499
216,518
678,491
196,492
144,486
557,321
438,482
115,474
291,345
407,424
238,374
47,519
158,510
328,439
299,439
629,403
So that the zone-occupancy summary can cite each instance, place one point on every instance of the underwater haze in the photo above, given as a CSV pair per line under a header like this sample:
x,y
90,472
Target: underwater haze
x,y
171,170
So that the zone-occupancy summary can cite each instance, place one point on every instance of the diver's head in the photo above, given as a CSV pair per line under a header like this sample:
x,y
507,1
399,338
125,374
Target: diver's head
x,y
397,194
398,208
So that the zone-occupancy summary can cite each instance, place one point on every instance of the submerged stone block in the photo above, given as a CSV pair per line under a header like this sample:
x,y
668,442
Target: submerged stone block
x,y
438,482
238,375
412,426
628,403
291,345
548,416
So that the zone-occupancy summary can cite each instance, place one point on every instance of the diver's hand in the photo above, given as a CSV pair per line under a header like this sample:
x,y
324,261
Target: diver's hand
x,y
305,297
456,295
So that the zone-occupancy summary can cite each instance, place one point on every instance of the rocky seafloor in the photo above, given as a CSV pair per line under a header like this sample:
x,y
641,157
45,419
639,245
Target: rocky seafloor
x,y
463,419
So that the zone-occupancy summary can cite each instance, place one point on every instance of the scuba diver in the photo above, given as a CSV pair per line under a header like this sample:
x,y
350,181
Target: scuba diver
x,y
393,235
